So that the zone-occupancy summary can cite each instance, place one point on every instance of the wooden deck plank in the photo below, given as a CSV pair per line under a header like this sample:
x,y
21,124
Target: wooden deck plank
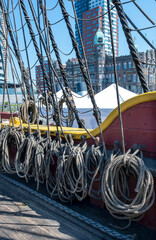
x,y
22,218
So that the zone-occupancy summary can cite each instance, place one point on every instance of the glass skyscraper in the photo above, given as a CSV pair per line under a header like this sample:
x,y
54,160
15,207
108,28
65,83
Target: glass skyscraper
x,y
84,5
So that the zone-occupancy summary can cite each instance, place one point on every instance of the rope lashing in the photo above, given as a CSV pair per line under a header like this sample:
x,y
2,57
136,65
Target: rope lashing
x,y
13,137
94,164
115,188
53,152
71,181
24,157
42,106
67,115
30,107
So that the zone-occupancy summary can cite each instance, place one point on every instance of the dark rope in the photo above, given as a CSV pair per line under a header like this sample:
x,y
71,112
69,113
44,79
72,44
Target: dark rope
x,y
138,30
63,73
130,42
82,66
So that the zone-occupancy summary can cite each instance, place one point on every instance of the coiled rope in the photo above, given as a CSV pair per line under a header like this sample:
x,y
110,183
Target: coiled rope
x,y
71,181
13,137
67,117
94,164
115,188
30,108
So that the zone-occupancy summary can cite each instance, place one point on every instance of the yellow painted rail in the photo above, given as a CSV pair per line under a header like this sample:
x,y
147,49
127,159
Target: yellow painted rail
x,y
78,132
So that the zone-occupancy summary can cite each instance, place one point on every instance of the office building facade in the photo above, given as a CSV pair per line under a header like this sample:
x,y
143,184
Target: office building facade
x,y
86,9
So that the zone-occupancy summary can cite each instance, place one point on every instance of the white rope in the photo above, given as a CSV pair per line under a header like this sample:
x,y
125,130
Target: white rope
x,y
115,188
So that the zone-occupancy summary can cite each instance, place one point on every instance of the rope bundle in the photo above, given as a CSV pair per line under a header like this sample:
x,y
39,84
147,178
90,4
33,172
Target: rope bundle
x,y
24,157
71,181
115,189
29,110
52,155
13,136
67,117
94,164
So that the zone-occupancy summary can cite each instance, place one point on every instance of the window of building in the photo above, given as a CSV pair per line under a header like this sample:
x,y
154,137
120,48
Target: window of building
x,y
125,65
129,64
119,78
119,66
129,78
109,67
113,78
150,78
134,77
110,77
124,78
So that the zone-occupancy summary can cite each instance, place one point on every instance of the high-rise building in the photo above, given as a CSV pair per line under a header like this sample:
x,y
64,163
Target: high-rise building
x,y
85,9
80,6
90,28
105,25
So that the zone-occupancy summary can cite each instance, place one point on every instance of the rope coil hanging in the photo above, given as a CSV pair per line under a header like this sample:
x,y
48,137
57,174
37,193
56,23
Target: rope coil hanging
x,y
115,188
29,110
94,164
13,137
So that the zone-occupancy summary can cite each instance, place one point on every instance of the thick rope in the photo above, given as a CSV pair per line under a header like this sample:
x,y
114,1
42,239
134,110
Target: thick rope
x,y
115,188
94,164
29,110
13,137
130,42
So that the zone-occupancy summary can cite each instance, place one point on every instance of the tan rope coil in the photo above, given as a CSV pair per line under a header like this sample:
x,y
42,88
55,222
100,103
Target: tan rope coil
x,y
28,110
115,188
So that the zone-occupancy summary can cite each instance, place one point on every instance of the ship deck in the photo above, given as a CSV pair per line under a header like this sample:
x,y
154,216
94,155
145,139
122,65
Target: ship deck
x,y
22,216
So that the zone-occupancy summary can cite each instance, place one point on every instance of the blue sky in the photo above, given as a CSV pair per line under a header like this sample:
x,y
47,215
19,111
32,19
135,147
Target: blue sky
x,y
62,36
149,6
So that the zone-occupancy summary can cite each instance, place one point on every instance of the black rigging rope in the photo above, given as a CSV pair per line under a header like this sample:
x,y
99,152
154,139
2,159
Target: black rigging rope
x,y
130,42
55,48
138,30
82,66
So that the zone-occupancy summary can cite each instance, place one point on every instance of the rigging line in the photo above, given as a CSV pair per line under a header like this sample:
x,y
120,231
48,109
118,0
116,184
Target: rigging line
x,y
35,44
13,76
50,9
141,10
40,45
58,122
66,54
22,65
37,61
73,76
102,15
141,29
16,47
4,64
80,36
116,79
21,50
63,73
153,64
130,21
80,96
86,111
12,10
49,58
17,55
82,66
26,50
130,43
57,22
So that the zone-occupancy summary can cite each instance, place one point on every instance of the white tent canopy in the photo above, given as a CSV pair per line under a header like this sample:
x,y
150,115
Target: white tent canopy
x,y
80,102
104,99
108,99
